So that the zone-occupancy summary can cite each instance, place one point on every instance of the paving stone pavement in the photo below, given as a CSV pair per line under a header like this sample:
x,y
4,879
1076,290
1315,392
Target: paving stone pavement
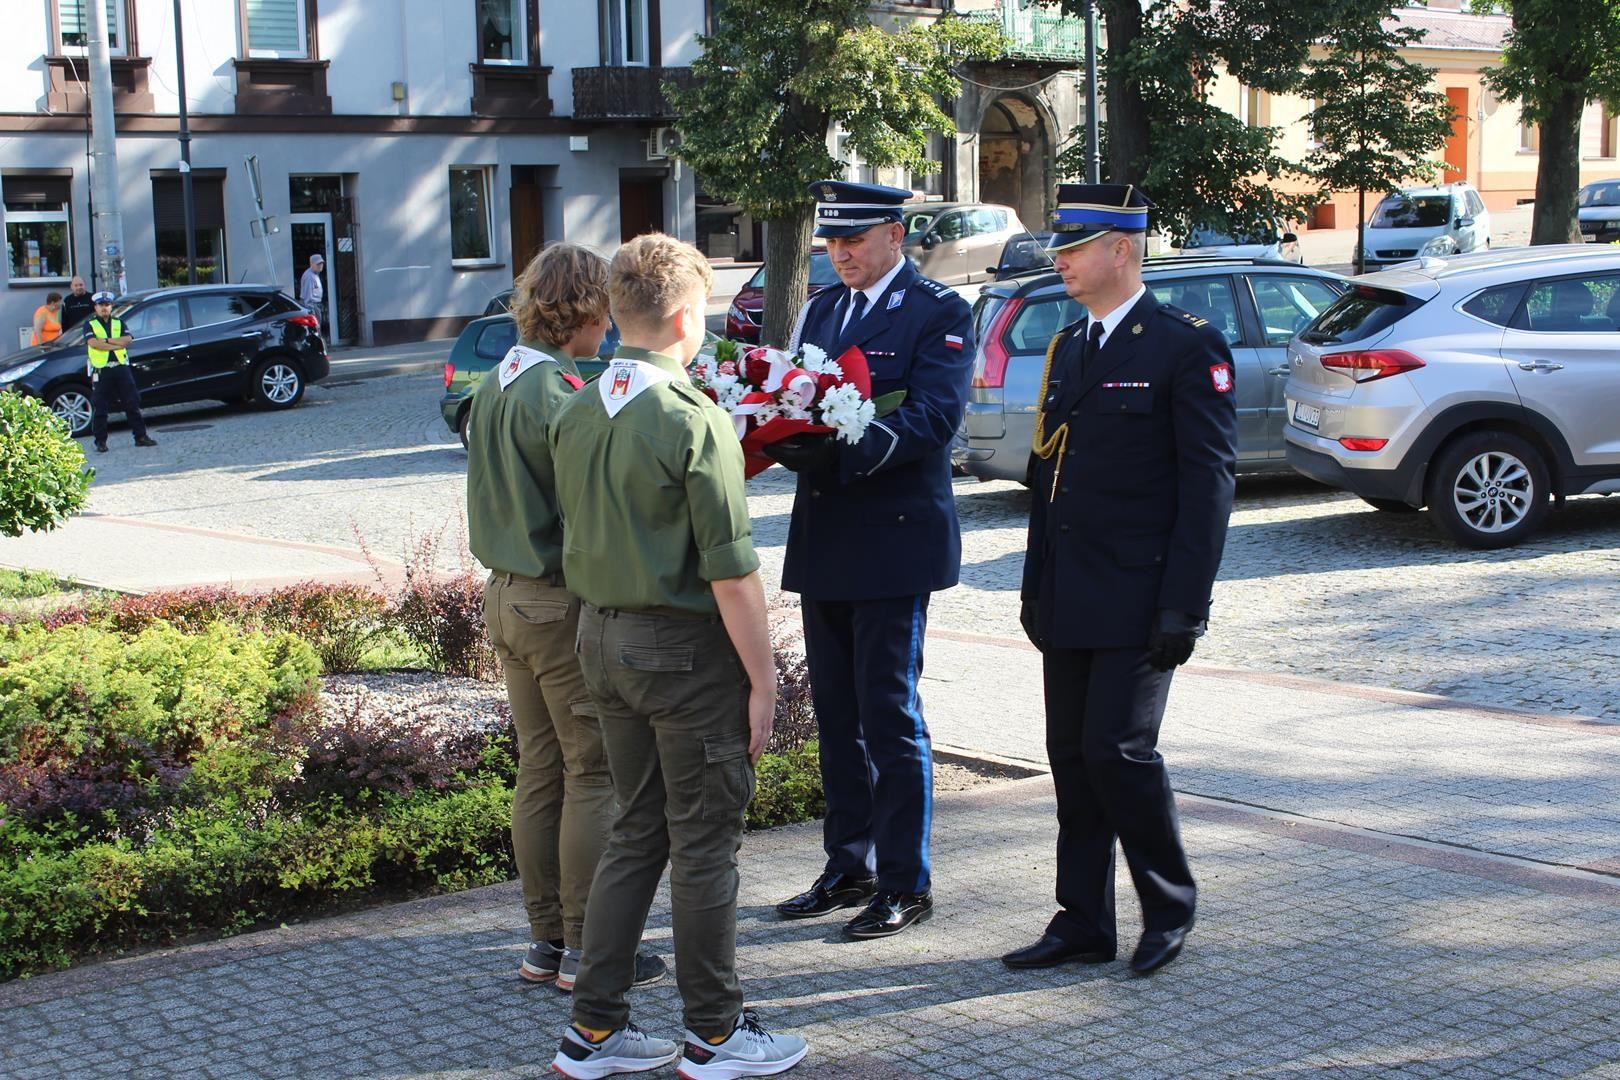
x,y
1316,953
1314,582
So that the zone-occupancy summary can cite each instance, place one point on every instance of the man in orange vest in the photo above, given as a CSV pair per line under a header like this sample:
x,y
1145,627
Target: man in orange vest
x,y
111,380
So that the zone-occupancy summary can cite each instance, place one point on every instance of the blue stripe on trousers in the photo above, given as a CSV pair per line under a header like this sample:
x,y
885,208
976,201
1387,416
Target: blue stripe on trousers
x,y
924,743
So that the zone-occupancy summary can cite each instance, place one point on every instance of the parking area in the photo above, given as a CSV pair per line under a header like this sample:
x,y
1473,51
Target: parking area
x,y
1314,581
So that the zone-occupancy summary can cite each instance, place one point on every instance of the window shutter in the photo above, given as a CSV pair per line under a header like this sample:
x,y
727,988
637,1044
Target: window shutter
x,y
38,192
207,199
274,26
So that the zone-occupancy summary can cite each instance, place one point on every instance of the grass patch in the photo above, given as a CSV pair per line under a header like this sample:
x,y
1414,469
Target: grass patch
x,y
29,584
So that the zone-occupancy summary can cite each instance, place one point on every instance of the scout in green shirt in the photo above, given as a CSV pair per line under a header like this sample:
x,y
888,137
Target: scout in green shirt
x,y
676,655
562,804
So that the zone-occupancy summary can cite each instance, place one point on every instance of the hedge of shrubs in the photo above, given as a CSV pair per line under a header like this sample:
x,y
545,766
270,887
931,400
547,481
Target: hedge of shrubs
x,y
169,764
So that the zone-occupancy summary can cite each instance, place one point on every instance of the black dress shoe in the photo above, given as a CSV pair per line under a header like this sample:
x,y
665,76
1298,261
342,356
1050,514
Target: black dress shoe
x,y
101,448
1158,948
1052,950
889,913
831,892
147,441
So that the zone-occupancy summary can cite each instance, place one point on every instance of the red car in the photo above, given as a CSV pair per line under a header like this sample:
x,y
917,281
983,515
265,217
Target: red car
x,y
747,309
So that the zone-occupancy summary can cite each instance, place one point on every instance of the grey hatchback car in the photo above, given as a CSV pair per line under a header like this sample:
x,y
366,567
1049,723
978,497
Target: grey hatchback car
x,y
1479,386
1257,304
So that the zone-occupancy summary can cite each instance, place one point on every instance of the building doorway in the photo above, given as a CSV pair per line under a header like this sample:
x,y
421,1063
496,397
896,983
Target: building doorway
x,y
1457,141
528,220
323,220
1015,159
641,205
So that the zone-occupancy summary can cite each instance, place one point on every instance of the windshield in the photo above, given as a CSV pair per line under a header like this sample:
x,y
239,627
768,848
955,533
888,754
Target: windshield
x,y
917,221
1412,212
822,273
1600,195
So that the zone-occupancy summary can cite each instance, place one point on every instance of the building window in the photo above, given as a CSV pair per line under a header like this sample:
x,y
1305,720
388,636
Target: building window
x,y
1529,138
502,31
1311,138
1606,133
275,29
471,225
73,28
624,28
39,228
1250,103
208,216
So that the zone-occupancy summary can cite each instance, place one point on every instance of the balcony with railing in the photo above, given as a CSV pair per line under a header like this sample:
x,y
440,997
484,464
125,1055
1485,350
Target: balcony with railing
x,y
626,93
1036,33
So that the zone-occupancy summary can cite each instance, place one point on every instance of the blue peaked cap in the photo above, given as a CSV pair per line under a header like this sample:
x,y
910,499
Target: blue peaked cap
x,y
845,209
1087,211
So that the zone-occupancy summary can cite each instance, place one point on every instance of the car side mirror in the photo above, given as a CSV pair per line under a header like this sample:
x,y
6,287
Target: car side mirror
x,y
930,239
1464,222
1289,238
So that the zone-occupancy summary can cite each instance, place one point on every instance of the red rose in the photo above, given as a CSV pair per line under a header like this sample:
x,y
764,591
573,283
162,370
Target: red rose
x,y
756,368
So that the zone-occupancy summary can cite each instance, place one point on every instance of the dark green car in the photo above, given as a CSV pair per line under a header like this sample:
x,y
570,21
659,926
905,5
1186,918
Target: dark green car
x,y
479,348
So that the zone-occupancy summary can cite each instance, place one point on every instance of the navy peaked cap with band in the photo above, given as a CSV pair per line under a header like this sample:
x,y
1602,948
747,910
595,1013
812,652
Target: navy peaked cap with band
x,y
845,209
1087,211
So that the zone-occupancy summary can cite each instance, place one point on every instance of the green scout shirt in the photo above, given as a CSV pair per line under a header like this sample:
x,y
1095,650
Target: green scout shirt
x,y
512,520
653,497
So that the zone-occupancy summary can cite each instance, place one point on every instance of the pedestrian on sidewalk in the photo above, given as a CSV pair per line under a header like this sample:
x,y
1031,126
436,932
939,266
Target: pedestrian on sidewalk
x,y
76,305
562,805
47,320
312,290
111,381
1136,441
874,533
676,654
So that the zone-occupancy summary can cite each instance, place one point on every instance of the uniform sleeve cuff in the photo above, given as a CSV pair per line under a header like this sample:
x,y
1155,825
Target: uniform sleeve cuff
x,y
734,560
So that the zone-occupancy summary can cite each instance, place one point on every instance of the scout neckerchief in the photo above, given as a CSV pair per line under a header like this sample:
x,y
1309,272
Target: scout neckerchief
x,y
520,358
625,379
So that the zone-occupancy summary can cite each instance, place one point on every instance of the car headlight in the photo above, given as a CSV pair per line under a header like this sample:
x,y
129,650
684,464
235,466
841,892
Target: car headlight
x,y
1440,245
11,375
735,312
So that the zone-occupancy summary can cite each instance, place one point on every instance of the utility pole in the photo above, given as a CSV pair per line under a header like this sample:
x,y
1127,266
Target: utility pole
x,y
185,150
1093,151
109,221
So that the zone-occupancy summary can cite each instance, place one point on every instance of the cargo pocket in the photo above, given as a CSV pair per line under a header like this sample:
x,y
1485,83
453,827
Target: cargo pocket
x,y
539,612
655,658
728,778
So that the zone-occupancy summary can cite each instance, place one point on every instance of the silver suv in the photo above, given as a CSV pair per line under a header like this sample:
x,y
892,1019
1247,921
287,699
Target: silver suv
x,y
1418,222
1479,386
1257,304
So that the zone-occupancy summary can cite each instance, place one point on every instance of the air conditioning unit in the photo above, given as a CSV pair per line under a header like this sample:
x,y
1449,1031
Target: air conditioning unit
x,y
663,143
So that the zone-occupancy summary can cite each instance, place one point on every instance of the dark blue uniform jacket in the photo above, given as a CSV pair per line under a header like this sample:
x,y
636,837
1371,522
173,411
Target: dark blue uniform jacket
x,y
1137,517
882,522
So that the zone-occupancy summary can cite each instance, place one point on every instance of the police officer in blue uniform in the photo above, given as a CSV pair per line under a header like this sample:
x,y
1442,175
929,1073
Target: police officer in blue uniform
x,y
1136,443
873,533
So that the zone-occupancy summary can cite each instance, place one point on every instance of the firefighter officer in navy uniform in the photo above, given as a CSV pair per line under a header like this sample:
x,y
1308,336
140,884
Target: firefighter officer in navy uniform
x,y
1136,444
873,533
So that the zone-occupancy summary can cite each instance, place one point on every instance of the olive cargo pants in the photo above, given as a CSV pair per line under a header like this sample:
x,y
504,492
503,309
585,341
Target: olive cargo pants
x,y
563,802
673,701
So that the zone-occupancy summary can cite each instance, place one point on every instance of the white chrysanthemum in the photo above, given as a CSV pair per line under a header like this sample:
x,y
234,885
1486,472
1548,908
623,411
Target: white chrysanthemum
x,y
728,391
814,358
832,367
844,410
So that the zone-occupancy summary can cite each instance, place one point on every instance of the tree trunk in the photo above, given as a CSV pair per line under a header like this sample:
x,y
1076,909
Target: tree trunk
x,y
1361,230
1558,176
1126,112
787,272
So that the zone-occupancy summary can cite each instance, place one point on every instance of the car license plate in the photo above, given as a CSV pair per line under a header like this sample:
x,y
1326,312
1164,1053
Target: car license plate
x,y
1307,415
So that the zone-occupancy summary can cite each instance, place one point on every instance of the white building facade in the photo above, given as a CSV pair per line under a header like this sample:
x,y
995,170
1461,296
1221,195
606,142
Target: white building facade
x,y
427,148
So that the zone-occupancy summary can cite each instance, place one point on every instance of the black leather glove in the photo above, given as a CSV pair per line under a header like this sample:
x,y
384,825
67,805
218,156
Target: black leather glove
x,y
1027,619
1170,642
803,453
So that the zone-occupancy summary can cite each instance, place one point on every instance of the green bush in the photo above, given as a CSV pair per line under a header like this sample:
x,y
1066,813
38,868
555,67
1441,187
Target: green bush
x,y
160,687
787,788
43,478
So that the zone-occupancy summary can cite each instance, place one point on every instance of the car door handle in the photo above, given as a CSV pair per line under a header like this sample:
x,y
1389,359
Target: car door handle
x,y
1539,365
1280,369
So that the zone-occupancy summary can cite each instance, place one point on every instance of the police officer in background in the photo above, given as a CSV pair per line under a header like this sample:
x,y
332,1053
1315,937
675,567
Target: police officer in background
x,y
1136,442
873,533
111,382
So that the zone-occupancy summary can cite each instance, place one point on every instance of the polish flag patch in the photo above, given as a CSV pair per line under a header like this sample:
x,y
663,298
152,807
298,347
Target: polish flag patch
x,y
953,341
1221,376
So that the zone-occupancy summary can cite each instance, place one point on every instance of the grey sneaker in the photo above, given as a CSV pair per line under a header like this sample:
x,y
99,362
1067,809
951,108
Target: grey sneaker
x,y
649,969
751,1051
624,1051
540,962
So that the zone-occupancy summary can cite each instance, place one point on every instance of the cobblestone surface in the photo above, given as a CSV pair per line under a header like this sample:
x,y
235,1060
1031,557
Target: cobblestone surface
x,y
1310,957
1314,581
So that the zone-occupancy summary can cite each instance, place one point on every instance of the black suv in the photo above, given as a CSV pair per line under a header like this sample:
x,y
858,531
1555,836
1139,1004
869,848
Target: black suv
x,y
248,343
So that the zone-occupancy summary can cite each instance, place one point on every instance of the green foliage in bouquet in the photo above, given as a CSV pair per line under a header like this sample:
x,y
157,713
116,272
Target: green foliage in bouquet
x,y
43,478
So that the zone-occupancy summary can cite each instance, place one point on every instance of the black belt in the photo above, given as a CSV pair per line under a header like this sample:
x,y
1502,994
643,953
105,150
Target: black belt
x,y
553,579
653,613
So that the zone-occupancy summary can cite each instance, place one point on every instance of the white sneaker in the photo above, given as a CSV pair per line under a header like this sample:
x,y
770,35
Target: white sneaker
x,y
751,1051
627,1050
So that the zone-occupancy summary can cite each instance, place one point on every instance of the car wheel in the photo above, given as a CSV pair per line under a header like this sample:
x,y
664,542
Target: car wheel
x,y
71,404
1390,506
277,383
461,425
1489,490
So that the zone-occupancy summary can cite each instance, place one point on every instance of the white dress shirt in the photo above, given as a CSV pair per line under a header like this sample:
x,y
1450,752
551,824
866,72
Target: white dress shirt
x,y
873,294
1115,317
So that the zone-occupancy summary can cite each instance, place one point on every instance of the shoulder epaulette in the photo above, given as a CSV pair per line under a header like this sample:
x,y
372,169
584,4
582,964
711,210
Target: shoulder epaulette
x,y
1179,315
688,391
937,290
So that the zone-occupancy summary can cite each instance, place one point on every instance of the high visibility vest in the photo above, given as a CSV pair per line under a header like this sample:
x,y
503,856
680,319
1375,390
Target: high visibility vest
x,y
98,357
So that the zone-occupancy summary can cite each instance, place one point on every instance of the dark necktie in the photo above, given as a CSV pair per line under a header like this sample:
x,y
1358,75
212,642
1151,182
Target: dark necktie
x,y
857,309
1088,354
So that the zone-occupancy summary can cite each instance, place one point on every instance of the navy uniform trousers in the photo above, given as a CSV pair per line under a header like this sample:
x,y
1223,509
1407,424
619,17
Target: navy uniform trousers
x,y
114,388
877,767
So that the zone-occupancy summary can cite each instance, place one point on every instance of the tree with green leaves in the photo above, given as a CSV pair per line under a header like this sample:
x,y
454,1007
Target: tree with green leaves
x,y
1380,119
771,86
1559,55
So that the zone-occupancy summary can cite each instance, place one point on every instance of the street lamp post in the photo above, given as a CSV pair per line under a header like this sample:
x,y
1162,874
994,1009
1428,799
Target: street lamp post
x,y
188,207
1093,151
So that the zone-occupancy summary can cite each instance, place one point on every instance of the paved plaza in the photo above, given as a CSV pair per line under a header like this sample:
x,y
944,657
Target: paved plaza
x,y
1398,765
